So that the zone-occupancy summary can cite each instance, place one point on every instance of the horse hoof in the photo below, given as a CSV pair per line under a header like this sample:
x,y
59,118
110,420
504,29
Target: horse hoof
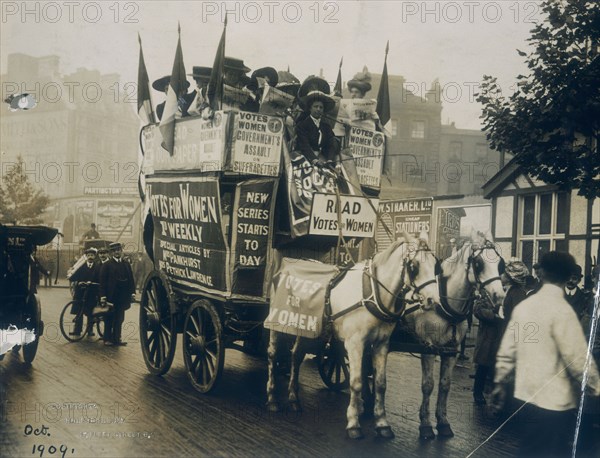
x,y
355,433
385,432
444,430
295,406
426,433
273,407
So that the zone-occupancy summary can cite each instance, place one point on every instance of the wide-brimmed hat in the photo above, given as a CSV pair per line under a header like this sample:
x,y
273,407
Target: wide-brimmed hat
x,y
160,83
312,84
200,73
91,250
517,271
287,83
115,246
313,96
266,72
361,81
233,63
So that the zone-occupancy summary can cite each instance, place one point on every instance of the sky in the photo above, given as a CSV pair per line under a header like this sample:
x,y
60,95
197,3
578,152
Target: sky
x,y
457,42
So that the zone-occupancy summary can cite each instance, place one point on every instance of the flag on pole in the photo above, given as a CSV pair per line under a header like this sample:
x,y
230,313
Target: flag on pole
x,y
177,84
383,111
383,97
144,100
215,85
337,90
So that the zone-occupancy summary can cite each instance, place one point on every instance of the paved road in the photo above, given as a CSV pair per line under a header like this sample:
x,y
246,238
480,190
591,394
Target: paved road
x,y
101,401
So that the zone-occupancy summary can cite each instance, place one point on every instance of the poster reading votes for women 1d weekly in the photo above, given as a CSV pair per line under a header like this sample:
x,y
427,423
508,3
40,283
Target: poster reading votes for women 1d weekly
x,y
189,244
257,140
367,148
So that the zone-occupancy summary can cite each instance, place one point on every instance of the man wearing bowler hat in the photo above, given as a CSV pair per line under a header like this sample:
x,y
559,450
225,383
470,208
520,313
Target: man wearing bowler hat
x,y
118,287
185,99
202,76
88,272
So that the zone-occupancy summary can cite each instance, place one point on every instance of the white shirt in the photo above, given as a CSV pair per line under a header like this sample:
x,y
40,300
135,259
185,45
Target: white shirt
x,y
545,346
318,124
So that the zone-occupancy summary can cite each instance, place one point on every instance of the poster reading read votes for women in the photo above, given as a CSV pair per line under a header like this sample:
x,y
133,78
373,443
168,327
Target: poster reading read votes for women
x,y
257,140
189,245
367,148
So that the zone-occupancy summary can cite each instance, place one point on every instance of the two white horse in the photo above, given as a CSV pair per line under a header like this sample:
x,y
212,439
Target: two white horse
x,y
366,305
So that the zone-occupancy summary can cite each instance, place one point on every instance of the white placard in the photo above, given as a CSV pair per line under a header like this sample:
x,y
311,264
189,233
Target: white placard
x,y
356,214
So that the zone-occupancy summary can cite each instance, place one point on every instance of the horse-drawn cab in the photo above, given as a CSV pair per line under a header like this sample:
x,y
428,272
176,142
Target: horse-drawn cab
x,y
232,199
20,313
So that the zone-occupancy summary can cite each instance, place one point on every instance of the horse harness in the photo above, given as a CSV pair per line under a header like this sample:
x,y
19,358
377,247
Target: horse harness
x,y
371,300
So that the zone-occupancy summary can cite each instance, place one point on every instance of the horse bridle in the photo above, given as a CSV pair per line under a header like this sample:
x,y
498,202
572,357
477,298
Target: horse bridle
x,y
373,303
477,253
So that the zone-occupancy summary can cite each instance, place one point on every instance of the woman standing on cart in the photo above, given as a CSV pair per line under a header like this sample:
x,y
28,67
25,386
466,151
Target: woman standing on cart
x,y
117,286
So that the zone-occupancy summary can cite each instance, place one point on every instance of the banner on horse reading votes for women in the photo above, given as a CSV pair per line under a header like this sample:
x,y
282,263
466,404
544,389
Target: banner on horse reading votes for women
x,y
199,145
257,140
189,242
251,236
303,181
298,297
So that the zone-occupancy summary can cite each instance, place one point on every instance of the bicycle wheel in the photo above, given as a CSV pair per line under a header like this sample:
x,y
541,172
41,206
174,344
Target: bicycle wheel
x,y
67,323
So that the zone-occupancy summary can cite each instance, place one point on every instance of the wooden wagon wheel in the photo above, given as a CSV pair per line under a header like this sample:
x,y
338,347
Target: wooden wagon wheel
x,y
158,334
203,345
333,365
35,317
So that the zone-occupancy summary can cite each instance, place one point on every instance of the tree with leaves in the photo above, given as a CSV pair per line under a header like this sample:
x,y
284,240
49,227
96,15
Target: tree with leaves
x,y
20,201
551,122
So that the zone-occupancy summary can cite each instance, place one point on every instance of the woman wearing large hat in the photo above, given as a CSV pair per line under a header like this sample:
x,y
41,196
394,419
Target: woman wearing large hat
x,y
235,96
162,85
358,87
202,76
315,138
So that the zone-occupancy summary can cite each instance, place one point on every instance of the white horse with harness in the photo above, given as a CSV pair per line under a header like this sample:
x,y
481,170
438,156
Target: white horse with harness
x,y
476,267
377,290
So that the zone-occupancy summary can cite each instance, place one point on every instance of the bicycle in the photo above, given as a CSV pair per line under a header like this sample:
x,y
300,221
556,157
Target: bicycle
x,y
87,294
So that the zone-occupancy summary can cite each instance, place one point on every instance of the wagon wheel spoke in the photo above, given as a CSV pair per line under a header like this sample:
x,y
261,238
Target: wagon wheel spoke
x,y
153,346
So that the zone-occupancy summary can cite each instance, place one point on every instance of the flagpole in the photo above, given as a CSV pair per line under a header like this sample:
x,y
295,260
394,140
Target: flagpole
x,y
224,40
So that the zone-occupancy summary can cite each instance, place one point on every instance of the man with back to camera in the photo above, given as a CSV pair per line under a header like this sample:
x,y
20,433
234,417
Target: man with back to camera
x,y
117,286
545,350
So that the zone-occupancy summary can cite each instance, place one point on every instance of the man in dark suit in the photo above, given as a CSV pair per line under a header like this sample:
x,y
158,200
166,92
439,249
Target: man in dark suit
x,y
315,138
88,272
117,286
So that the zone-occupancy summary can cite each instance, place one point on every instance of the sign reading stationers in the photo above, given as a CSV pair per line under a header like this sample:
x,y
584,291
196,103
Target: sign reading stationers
x,y
257,140
189,244
408,215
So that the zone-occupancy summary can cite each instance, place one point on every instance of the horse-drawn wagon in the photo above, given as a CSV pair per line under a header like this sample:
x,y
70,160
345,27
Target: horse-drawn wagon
x,y
20,310
232,200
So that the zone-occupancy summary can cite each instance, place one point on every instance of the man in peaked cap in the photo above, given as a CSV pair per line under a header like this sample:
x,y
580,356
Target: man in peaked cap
x,y
117,286
162,85
315,138
202,77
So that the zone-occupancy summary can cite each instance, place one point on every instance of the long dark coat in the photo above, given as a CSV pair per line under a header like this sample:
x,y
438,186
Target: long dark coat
x,y
308,139
117,283
84,274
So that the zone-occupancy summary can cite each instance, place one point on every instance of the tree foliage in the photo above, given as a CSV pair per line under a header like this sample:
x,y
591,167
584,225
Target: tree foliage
x,y
551,122
20,201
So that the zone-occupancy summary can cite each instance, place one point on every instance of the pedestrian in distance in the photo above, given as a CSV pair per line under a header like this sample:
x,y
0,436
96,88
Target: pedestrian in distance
x,y
544,350
117,286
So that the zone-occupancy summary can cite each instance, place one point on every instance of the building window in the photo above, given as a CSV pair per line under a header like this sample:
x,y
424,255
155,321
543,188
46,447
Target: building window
x,y
481,151
543,225
418,129
394,127
456,150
